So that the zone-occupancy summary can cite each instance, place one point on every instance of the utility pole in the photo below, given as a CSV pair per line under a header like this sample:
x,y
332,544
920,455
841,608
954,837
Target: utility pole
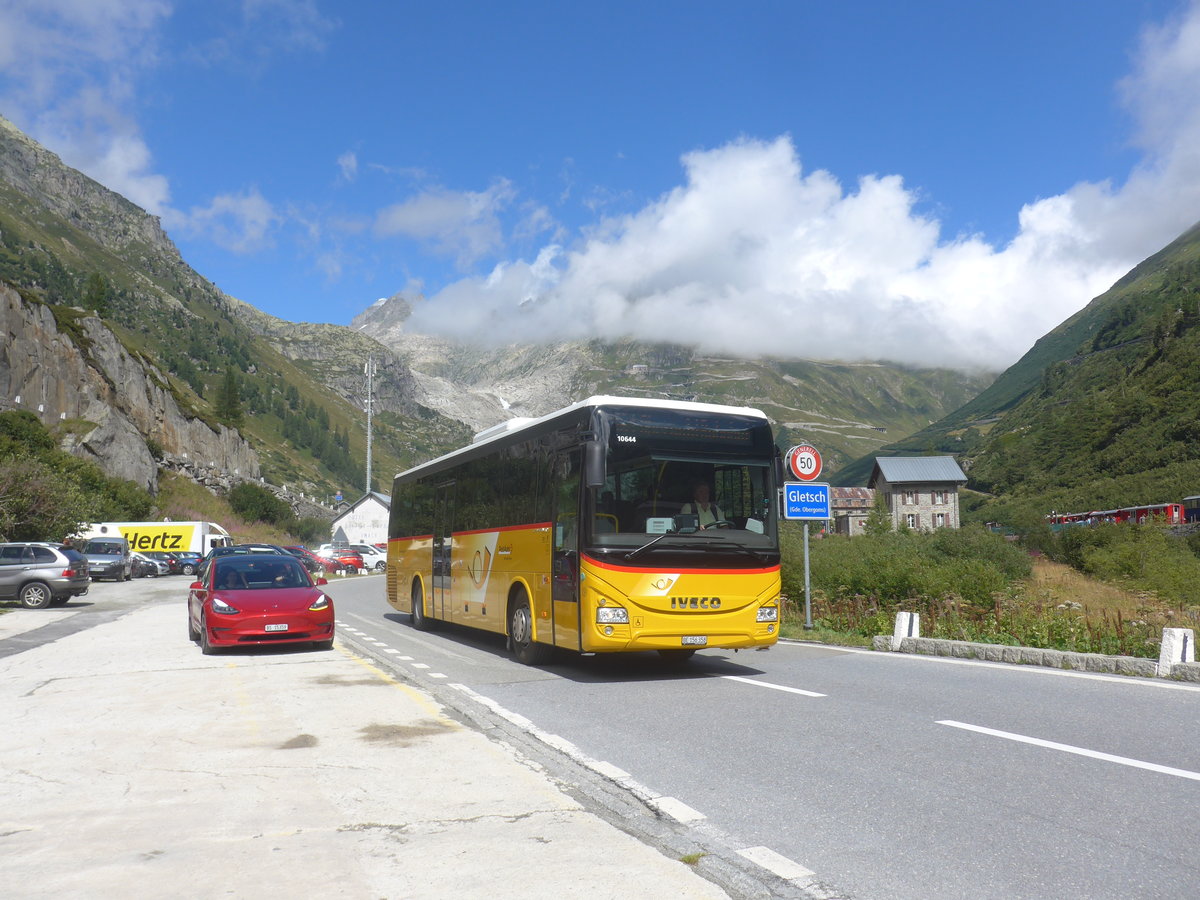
x,y
370,370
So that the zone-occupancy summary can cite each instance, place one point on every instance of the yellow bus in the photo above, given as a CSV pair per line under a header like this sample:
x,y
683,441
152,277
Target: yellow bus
x,y
587,530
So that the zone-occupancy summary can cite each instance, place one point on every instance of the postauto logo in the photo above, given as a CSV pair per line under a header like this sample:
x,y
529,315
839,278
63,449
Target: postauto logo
x,y
159,537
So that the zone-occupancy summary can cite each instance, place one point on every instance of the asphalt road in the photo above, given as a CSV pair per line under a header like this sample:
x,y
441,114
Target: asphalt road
x,y
886,775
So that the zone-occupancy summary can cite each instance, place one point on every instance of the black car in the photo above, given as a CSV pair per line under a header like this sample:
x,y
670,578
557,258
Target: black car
x,y
237,550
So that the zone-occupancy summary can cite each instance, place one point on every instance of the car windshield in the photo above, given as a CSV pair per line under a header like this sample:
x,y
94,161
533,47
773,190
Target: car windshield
x,y
104,549
242,573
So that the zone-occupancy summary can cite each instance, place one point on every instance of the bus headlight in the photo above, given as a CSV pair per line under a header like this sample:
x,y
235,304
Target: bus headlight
x,y
768,614
612,615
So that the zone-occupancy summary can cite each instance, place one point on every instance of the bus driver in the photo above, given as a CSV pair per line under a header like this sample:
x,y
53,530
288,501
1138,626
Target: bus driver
x,y
708,513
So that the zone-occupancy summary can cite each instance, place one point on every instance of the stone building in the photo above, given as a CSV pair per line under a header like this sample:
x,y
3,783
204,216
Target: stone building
x,y
850,507
364,521
921,491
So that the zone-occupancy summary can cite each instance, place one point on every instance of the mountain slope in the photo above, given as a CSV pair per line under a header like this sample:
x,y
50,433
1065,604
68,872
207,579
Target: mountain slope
x,y
67,241
1104,410
845,409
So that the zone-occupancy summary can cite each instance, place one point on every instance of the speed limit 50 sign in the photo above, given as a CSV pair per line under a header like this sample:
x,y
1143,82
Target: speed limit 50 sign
x,y
803,462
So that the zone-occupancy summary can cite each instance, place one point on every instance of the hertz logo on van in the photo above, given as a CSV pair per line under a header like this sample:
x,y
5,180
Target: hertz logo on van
x,y
163,538
695,603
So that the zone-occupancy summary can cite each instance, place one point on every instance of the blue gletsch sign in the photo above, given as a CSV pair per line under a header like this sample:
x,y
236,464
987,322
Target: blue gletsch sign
x,y
806,501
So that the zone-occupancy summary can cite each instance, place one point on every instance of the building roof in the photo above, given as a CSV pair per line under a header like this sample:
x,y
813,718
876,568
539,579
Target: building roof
x,y
384,499
914,469
851,493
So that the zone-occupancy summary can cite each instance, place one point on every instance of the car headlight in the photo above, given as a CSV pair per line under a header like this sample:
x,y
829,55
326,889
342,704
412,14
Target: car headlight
x,y
767,614
612,615
220,606
321,602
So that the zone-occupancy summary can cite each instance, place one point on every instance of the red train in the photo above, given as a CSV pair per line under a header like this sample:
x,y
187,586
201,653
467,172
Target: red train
x,y
1169,513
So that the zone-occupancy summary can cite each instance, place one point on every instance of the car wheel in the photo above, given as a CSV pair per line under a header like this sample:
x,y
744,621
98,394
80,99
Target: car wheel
x,y
520,633
188,570
206,646
419,620
380,566
36,595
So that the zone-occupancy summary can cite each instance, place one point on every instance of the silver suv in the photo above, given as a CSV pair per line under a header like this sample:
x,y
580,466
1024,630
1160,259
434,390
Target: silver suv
x,y
41,575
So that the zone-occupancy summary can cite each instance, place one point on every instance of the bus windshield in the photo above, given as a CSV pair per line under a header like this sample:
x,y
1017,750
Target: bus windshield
x,y
657,495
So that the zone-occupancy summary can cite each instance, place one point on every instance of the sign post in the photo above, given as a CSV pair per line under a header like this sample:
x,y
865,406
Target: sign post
x,y
805,501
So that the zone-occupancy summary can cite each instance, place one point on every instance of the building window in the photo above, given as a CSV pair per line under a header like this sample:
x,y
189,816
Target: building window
x,y
939,498
911,520
910,498
939,520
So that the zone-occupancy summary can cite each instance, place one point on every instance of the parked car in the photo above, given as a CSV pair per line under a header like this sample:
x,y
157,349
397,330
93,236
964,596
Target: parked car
x,y
109,557
174,567
351,559
146,565
373,557
255,599
188,561
238,550
312,562
41,574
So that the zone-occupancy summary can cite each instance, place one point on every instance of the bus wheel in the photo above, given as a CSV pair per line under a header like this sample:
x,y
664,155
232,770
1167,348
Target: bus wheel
x,y
520,633
418,619
676,656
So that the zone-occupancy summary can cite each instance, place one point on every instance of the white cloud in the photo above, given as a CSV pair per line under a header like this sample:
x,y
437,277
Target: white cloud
x,y
241,222
462,224
752,255
68,70
348,165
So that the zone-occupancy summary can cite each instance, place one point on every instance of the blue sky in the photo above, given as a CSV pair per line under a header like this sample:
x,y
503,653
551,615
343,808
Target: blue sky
x,y
928,183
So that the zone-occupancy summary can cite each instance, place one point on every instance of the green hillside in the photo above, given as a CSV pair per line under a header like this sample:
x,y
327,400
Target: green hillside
x,y
1104,410
68,242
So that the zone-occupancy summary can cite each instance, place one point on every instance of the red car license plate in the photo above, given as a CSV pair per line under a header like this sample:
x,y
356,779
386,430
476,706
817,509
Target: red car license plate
x,y
281,626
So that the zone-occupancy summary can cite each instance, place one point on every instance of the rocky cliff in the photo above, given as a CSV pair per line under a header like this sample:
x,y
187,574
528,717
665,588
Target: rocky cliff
x,y
104,401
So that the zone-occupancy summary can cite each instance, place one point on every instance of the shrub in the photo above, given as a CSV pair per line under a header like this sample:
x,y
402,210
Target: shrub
x,y
256,504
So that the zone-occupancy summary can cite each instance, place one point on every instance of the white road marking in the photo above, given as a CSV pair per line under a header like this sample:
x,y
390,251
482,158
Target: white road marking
x,y
418,665
1078,751
775,863
678,811
1132,680
774,687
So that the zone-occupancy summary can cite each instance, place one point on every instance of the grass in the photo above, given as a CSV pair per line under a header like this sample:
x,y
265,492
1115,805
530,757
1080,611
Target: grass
x,y
184,500
1056,607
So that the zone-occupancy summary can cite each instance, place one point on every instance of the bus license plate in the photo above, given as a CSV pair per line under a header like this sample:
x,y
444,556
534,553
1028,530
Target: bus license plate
x,y
698,640
282,626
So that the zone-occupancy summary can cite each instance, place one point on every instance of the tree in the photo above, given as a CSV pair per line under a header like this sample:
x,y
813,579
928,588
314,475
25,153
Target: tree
x,y
97,294
879,520
38,504
229,400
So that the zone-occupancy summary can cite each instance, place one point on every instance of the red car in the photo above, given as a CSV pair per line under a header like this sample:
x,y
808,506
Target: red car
x,y
347,556
257,599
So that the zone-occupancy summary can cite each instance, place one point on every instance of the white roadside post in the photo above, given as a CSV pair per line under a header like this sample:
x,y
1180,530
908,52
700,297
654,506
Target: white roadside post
x,y
907,625
1178,646
805,501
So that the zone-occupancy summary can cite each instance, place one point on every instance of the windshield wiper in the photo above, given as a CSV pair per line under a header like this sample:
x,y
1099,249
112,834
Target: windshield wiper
x,y
632,553
723,544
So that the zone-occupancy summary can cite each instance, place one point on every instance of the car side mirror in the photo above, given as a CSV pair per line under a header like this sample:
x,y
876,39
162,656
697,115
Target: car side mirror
x,y
196,586
321,581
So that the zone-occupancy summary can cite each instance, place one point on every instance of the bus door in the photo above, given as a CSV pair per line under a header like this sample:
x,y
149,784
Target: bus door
x,y
443,543
565,564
